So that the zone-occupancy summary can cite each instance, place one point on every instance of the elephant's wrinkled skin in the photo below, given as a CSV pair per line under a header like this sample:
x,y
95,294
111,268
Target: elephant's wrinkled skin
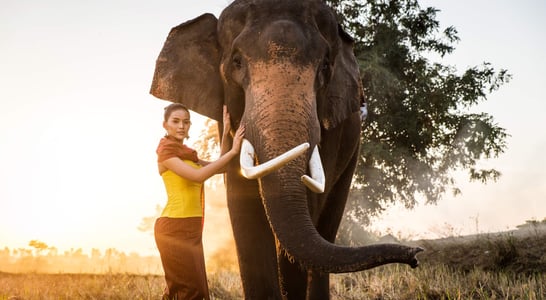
x,y
287,71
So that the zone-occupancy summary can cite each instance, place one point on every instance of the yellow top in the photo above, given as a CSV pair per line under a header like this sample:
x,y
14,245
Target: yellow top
x,y
184,197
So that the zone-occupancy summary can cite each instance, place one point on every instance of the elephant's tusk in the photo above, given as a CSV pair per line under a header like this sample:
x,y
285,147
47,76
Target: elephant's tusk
x,y
316,182
252,172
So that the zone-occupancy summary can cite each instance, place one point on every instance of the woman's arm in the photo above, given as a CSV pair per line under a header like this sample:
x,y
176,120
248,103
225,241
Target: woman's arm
x,y
183,169
203,162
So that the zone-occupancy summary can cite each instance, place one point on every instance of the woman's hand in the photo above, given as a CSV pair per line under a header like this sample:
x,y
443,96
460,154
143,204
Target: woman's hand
x,y
239,134
227,122
238,139
226,141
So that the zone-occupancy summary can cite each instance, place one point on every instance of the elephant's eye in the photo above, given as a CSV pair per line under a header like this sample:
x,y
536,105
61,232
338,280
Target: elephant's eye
x,y
325,67
237,62
324,72
237,68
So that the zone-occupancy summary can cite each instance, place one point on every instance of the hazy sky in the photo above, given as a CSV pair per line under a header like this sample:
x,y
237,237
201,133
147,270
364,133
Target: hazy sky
x,y
78,129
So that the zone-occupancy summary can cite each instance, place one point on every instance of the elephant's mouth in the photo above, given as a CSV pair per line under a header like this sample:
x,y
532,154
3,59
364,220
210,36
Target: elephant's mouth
x,y
315,182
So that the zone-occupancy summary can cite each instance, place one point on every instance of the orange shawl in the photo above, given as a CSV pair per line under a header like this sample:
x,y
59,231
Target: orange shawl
x,y
169,147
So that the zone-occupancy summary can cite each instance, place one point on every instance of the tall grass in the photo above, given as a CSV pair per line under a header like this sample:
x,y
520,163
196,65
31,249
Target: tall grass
x,y
79,286
505,266
388,282
437,282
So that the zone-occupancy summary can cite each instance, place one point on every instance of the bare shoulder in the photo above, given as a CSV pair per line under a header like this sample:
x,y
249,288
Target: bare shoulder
x,y
161,168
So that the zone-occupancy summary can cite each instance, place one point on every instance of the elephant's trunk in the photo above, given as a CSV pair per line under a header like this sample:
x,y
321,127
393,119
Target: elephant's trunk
x,y
288,214
280,113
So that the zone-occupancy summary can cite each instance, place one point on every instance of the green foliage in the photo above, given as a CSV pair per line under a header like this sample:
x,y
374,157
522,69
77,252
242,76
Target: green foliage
x,y
419,127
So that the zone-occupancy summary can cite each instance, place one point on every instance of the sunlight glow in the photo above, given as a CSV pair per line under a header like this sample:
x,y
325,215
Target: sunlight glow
x,y
79,130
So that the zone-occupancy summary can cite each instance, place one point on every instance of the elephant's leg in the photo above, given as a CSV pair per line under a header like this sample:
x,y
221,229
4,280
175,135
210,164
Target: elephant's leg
x,y
319,286
293,278
254,240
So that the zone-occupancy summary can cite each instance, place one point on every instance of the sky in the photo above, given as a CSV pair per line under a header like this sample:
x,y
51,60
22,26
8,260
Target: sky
x,y
78,128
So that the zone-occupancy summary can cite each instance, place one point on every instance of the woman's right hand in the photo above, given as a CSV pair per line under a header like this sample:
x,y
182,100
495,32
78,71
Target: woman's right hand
x,y
238,138
226,121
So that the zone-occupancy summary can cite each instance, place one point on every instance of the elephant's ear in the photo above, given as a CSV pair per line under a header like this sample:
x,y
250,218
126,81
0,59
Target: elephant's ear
x,y
187,69
344,95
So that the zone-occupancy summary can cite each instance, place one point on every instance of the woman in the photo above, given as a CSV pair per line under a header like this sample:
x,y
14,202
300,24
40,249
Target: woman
x,y
178,231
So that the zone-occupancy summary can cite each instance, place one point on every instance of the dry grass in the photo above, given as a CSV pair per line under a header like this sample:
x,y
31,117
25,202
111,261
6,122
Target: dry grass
x,y
437,282
79,286
508,266
390,282
521,252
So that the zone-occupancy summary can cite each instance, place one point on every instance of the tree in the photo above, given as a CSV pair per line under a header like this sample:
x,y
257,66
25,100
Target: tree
x,y
39,246
147,223
208,145
419,127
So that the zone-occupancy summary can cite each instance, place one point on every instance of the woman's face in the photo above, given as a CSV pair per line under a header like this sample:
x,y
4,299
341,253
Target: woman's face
x,y
178,124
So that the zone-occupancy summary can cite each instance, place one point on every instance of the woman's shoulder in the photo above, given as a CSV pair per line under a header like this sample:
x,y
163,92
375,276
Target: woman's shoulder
x,y
168,148
165,144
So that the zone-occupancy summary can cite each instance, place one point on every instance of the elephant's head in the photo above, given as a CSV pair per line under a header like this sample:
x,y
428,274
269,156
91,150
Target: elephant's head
x,y
287,71
286,74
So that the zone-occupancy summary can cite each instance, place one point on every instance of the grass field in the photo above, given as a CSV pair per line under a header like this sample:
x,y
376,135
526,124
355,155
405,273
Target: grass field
x,y
507,266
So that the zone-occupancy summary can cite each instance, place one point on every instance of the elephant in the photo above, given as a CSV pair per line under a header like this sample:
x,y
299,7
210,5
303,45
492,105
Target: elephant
x,y
286,70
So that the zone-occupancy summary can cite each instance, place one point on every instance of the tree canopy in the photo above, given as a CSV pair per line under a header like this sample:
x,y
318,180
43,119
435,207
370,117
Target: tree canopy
x,y
420,127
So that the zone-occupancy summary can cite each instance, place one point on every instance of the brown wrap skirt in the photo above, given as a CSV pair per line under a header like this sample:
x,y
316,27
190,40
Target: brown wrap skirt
x,y
180,245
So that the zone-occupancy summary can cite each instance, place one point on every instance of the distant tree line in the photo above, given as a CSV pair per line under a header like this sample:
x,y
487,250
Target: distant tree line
x,y
532,224
41,258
